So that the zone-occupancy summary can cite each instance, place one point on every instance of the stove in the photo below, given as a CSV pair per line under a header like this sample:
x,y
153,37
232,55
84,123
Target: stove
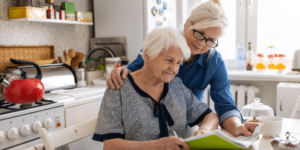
x,y
20,123
6,107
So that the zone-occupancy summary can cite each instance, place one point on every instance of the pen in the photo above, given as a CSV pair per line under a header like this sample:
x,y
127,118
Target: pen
x,y
176,136
174,133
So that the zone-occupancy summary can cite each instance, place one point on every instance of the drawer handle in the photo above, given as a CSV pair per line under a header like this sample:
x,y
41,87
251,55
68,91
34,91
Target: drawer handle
x,y
281,102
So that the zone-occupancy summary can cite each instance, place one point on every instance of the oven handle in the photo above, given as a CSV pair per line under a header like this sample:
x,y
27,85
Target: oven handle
x,y
281,95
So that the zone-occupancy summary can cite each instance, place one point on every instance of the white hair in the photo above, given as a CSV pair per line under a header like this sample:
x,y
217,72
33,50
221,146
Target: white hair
x,y
209,14
161,39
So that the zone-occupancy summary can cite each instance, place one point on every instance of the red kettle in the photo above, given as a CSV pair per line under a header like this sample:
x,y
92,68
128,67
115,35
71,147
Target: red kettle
x,y
23,91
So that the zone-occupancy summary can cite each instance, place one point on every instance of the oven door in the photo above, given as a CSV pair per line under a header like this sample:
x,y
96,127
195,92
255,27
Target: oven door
x,y
26,145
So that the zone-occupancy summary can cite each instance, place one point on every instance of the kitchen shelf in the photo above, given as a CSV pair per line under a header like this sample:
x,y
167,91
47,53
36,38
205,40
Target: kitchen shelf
x,y
261,76
50,21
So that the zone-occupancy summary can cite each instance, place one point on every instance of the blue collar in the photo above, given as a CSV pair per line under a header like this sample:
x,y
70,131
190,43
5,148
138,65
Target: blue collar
x,y
200,59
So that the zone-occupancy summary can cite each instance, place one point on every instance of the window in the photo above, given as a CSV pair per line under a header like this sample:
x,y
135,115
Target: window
x,y
278,24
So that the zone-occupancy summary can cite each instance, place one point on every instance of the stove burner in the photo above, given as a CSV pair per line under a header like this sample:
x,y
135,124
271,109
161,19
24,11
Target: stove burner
x,y
26,105
6,107
5,104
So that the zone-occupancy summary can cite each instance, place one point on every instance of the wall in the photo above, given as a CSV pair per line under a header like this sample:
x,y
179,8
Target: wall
x,y
62,36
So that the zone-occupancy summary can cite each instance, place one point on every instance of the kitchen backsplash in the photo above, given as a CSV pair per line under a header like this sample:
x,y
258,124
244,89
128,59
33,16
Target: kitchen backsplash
x,y
62,36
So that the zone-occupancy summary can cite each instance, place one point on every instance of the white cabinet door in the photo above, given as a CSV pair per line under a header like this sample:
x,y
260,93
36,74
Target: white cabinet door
x,y
286,100
82,113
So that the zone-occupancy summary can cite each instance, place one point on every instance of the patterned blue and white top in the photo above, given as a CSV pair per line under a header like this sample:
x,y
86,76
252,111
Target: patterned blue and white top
x,y
129,113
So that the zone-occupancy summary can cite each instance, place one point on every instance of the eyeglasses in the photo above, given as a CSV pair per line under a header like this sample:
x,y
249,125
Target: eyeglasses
x,y
209,42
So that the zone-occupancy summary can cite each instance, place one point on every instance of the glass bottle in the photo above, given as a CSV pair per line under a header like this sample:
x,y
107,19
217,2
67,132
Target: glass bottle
x,y
241,57
91,65
101,65
249,57
86,64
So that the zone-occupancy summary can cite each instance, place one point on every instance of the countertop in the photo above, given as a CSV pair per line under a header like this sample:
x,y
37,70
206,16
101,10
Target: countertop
x,y
261,76
77,96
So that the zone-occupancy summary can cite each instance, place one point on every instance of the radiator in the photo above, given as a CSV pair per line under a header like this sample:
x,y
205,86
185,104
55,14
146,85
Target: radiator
x,y
241,94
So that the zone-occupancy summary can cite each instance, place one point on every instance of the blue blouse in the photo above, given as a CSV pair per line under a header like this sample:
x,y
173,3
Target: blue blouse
x,y
199,73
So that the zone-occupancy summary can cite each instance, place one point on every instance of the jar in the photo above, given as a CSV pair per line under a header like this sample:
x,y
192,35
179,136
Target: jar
x,y
80,77
111,63
257,109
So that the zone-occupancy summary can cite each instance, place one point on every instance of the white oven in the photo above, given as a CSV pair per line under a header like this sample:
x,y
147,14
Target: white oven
x,y
20,128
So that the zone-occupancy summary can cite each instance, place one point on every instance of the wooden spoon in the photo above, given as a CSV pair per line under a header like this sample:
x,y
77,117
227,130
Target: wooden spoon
x,y
71,54
65,57
59,59
79,59
74,60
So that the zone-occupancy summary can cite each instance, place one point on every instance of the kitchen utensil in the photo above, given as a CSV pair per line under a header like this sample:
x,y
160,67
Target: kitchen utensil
x,y
23,91
296,61
55,76
71,54
257,109
65,57
59,59
285,142
79,59
272,126
74,59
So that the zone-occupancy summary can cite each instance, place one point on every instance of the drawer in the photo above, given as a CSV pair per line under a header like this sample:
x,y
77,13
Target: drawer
x,y
82,113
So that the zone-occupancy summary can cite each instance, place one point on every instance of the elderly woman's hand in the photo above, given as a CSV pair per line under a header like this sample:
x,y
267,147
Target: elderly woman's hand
x,y
114,79
172,143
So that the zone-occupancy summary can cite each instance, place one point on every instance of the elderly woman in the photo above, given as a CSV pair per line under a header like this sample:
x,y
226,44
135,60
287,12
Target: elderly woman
x,y
143,113
205,67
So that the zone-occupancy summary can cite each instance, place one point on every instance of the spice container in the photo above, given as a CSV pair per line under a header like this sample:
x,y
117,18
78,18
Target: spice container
x,y
57,12
62,15
50,12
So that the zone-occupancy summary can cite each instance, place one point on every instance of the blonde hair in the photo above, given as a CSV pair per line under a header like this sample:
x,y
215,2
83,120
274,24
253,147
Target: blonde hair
x,y
209,14
161,39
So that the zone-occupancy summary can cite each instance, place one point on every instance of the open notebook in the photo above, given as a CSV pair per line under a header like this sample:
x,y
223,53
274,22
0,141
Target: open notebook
x,y
217,139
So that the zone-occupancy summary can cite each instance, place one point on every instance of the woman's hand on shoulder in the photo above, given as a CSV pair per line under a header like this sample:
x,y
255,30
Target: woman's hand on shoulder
x,y
114,79
172,143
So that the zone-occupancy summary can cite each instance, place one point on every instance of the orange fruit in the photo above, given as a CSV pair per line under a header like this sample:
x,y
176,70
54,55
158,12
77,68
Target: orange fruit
x,y
260,66
280,66
272,66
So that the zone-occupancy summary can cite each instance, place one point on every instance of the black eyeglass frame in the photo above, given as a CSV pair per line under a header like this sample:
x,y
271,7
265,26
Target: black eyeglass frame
x,y
204,38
